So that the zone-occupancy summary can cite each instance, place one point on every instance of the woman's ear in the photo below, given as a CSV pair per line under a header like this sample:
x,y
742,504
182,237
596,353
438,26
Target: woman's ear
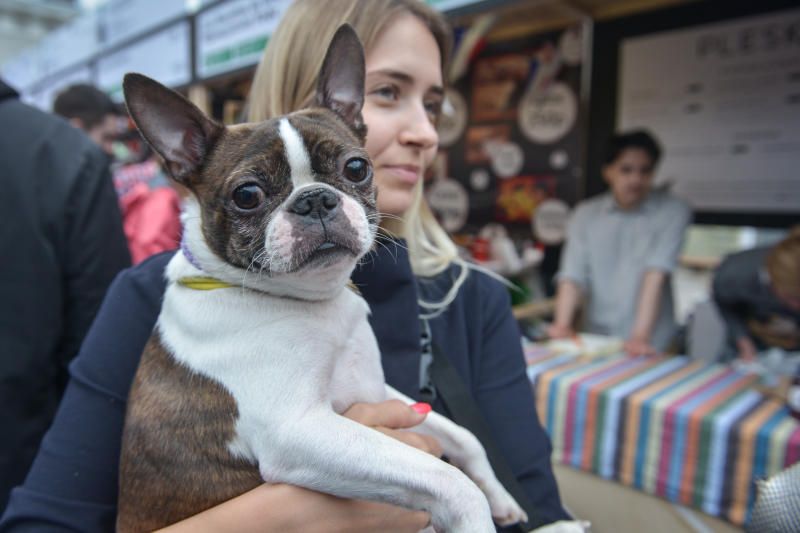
x,y
340,86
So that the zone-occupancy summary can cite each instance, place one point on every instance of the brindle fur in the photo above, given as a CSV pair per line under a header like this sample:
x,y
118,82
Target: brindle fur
x,y
201,472
254,152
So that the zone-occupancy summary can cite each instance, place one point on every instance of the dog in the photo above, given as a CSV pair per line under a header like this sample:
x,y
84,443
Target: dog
x,y
260,346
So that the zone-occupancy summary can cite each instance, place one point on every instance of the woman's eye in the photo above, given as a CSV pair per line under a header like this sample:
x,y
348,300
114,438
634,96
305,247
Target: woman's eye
x,y
357,170
248,196
388,92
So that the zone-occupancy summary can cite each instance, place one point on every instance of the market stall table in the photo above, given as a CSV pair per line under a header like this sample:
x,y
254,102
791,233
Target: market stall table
x,y
694,433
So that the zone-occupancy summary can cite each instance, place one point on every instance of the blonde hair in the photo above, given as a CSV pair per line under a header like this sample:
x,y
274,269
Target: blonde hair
x,y
783,264
286,77
286,80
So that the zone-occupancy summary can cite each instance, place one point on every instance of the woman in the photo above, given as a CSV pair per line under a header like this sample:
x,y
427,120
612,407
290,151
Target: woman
x,y
406,45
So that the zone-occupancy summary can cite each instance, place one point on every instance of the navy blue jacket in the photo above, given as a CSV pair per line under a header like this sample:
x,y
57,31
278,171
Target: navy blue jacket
x,y
73,482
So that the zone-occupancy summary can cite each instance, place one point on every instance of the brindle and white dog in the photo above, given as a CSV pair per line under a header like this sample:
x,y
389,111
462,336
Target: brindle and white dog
x,y
259,346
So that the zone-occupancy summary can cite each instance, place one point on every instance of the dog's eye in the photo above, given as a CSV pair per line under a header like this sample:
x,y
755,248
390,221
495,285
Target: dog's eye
x,y
357,170
248,196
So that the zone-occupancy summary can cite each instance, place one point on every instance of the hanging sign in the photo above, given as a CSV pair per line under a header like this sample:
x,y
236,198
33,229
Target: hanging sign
x,y
163,56
546,115
549,221
120,20
450,201
233,35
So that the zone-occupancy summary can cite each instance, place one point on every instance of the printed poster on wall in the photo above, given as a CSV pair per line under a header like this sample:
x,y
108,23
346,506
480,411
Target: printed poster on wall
x,y
724,100
511,134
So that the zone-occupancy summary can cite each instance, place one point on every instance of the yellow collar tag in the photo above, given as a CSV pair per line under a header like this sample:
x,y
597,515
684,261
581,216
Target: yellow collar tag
x,y
203,283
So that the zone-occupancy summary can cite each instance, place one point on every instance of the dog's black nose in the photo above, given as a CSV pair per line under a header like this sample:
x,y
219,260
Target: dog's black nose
x,y
316,202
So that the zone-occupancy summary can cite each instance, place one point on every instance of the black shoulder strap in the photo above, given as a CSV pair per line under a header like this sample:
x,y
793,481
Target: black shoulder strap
x,y
464,411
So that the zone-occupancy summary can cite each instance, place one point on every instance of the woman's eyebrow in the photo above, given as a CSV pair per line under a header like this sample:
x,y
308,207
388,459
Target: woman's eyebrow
x,y
394,74
404,78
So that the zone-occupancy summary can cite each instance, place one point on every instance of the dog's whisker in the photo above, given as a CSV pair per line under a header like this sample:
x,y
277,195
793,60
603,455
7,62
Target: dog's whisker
x,y
256,259
390,216
387,238
382,240
390,250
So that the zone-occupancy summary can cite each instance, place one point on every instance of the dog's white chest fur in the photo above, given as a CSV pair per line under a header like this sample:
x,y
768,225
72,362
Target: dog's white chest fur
x,y
277,357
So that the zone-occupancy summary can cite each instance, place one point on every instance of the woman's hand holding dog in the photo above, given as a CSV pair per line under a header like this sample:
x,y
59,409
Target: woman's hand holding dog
x,y
394,418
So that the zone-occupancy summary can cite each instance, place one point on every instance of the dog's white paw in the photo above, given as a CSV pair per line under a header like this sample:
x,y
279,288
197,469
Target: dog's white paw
x,y
505,509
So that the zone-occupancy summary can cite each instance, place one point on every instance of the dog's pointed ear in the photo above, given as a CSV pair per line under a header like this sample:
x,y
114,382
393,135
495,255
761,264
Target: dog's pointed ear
x,y
171,124
341,80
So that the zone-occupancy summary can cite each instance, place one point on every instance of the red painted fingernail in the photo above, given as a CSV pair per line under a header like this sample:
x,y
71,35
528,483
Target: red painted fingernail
x,y
421,407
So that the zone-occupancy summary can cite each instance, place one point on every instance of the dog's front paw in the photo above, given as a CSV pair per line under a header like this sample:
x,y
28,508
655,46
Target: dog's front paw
x,y
461,507
505,509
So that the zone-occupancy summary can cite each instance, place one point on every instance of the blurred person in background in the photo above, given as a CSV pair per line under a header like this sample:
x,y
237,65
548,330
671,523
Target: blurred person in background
x,y
758,294
62,244
150,202
88,108
150,205
620,251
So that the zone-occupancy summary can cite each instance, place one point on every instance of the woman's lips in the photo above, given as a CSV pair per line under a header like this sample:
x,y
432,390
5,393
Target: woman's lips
x,y
405,173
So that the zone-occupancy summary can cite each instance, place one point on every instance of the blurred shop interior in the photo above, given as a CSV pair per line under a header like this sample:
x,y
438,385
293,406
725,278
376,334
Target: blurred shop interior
x,y
535,88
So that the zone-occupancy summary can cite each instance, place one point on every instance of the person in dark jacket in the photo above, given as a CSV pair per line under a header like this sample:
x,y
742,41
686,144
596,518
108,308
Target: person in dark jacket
x,y
73,483
758,295
61,242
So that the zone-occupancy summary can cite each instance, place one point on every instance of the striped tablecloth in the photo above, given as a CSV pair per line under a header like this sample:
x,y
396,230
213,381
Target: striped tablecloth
x,y
691,432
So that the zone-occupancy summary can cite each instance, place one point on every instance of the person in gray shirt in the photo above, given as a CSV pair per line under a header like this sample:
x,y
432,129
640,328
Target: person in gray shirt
x,y
621,249
757,292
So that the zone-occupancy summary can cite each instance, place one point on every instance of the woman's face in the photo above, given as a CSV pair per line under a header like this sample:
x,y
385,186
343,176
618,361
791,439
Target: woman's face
x,y
403,98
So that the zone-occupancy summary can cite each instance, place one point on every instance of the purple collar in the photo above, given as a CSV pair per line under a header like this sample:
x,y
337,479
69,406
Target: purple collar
x,y
188,254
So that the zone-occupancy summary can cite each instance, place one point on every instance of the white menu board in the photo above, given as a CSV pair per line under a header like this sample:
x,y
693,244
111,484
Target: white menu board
x,y
233,34
164,56
123,19
724,100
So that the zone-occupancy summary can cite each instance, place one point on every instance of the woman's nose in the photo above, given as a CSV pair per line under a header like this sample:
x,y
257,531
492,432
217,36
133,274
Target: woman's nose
x,y
418,129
